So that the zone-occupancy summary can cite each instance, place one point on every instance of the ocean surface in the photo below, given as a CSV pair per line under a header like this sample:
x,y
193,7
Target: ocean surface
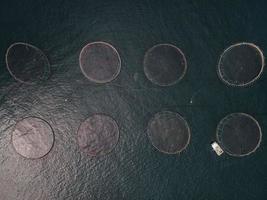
x,y
134,170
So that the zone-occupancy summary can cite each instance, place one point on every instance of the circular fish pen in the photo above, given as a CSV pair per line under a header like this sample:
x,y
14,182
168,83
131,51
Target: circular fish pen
x,y
100,62
239,134
33,137
241,64
165,64
169,132
98,135
27,64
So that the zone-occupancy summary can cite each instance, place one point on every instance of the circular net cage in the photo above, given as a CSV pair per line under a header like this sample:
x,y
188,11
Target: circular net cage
x,y
98,135
27,64
241,64
239,134
33,137
164,65
168,132
100,62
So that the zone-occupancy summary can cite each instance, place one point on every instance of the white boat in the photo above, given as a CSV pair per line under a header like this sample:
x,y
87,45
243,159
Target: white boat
x,y
217,148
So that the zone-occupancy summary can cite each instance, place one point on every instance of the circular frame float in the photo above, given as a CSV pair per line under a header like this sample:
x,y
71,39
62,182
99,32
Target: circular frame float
x,y
98,135
239,134
168,132
165,64
241,70
33,137
100,62
26,63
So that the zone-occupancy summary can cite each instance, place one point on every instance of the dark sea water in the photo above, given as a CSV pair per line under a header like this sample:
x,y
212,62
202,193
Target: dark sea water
x,y
135,170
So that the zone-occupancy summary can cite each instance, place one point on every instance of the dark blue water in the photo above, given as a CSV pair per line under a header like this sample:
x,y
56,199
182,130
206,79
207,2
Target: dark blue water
x,y
135,169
